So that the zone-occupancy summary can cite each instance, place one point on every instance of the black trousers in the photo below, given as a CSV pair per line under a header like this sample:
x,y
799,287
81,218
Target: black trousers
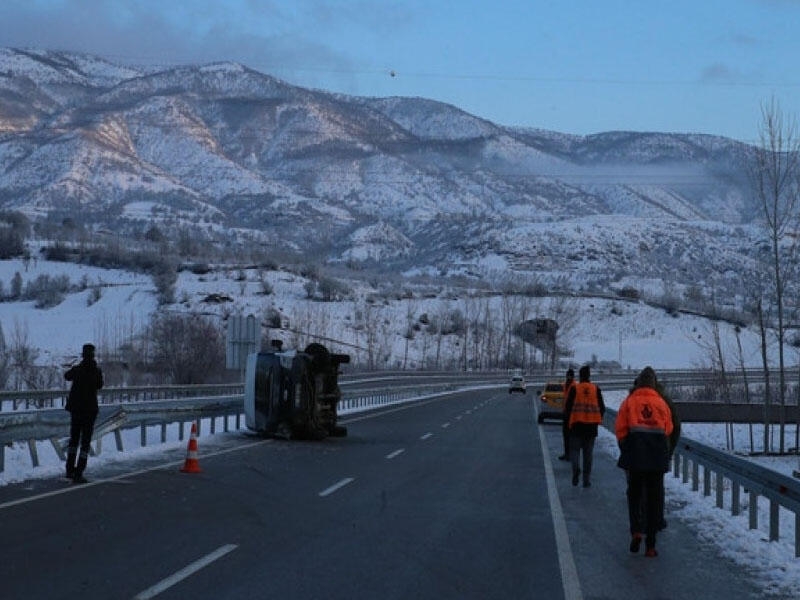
x,y
646,503
81,428
581,446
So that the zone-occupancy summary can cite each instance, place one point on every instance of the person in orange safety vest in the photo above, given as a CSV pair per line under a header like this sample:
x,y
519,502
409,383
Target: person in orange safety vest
x,y
583,412
643,428
568,383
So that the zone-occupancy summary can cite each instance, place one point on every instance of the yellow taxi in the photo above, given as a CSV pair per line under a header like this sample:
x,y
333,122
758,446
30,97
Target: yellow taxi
x,y
552,401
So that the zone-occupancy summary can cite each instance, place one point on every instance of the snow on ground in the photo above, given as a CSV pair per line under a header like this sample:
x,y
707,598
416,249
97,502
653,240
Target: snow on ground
x,y
631,333
126,302
772,564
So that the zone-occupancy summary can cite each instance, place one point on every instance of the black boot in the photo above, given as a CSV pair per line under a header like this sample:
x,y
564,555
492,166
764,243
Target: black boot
x,y
77,476
70,465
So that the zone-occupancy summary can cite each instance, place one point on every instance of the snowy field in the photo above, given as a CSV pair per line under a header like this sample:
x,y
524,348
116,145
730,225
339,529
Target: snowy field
x,y
633,334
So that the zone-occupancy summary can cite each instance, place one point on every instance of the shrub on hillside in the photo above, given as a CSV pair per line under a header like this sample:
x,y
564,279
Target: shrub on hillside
x,y
47,291
165,276
186,348
11,243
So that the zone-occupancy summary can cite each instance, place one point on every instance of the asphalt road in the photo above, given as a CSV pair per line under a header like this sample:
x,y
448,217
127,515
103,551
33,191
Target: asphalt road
x,y
454,497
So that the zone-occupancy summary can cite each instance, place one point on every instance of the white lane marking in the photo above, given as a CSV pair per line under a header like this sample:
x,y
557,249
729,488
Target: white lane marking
x,y
467,412
445,425
336,486
188,570
117,478
569,574
458,417
426,436
395,453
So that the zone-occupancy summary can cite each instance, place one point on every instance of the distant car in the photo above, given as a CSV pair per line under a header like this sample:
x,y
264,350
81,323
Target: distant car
x,y
517,384
552,401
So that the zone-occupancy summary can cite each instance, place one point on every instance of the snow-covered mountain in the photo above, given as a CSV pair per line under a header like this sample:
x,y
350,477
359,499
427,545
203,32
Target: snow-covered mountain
x,y
415,185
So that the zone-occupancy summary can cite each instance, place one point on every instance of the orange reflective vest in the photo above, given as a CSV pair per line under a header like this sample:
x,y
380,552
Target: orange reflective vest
x,y
644,423
586,408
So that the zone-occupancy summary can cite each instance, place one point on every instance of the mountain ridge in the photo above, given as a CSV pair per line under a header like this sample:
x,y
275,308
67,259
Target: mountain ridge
x,y
221,148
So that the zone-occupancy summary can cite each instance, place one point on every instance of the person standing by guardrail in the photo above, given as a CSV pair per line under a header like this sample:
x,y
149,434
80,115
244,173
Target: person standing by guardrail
x,y
86,378
643,428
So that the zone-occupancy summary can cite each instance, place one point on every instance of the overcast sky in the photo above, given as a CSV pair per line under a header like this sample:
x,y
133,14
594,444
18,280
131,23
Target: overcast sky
x,y
581,66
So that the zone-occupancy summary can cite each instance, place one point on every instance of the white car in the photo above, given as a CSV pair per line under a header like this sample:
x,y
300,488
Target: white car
x,y
517,384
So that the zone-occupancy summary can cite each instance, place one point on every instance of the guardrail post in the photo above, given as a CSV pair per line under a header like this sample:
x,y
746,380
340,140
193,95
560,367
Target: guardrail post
x,y
753,510
720,489
774,534
118,439
706,481
2,457
58,448
796,535
180,431
143,435
735,506
34,452
213,428
163,433
695,476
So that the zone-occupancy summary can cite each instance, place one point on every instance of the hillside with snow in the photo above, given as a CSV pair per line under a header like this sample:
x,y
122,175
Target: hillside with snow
x,y
401,185
410,328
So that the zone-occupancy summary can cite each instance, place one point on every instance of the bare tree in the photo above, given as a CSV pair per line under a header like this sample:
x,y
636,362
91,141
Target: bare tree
x,y
23,358
738,332
408,333
187,348
776,182
508,312
767,389
5,360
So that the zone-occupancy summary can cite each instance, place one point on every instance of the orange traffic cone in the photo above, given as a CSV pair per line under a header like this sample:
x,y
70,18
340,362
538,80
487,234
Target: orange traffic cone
x,y
191,465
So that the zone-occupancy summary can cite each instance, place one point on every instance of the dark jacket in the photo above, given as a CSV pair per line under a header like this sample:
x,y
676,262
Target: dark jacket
x,y
86,378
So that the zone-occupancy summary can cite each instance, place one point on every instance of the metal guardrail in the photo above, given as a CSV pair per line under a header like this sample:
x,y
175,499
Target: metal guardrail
x,y
33,399
52,424
743,475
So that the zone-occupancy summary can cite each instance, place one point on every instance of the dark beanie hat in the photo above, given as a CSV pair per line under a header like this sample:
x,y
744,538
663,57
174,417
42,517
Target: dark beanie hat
x,y
88,351
647,378
584,373
570,373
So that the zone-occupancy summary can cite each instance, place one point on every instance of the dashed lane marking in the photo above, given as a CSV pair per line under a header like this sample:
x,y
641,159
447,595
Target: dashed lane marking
x,y
395,453
336,486
426,436
187,571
